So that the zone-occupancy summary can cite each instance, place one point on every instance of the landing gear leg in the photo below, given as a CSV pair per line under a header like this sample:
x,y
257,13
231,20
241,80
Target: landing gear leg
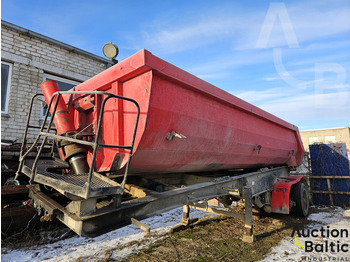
x,y
248,216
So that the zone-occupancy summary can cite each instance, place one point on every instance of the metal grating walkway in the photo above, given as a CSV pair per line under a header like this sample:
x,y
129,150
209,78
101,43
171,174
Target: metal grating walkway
x,y
50,172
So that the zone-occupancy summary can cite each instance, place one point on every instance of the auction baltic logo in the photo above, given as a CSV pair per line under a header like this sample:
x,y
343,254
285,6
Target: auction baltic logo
x,y
328,246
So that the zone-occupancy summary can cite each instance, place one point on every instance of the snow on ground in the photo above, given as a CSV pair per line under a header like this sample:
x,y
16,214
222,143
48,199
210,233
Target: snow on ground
x,y
123,241
333,220
96,248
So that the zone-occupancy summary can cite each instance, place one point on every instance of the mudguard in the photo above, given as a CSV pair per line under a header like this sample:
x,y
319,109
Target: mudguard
x,y
280,199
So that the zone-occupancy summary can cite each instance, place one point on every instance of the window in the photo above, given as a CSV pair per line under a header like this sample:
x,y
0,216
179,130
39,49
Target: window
x,y
6,71
64,85
329,139
313,140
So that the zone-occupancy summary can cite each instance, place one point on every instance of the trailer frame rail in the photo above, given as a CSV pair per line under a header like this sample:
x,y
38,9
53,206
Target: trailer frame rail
x,y
89,221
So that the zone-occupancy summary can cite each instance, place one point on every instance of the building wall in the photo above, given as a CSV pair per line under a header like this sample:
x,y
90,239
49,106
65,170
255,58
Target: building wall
x,y
326,136
31,58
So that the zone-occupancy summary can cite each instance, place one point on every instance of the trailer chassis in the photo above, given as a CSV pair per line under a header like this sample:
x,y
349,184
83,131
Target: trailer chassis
x,y
82,216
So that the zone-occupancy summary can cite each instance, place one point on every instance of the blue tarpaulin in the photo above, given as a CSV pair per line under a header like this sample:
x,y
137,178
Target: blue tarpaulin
x,y
330,160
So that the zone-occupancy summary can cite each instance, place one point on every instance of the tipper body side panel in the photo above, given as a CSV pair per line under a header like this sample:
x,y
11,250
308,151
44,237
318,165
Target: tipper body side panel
x,y
186,124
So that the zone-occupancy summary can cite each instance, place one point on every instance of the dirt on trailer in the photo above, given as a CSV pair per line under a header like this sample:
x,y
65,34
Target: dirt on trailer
x,y
220,239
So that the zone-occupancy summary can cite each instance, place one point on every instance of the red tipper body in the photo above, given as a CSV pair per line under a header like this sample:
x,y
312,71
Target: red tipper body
x,y
186,124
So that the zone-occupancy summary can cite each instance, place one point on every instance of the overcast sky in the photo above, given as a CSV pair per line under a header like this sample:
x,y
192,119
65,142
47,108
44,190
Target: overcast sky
x,y
290,58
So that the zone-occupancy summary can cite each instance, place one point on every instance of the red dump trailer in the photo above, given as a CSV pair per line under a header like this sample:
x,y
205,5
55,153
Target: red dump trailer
x,y
149,118
186,124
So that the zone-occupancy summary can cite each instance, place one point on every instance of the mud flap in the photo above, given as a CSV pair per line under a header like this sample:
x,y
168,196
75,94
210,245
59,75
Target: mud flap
x,y
280,201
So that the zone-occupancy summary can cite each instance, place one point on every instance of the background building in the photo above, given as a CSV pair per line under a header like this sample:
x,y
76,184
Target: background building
x,y
28,59
326,136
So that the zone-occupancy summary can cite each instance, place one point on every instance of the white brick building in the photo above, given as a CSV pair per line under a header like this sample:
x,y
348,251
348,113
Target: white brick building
x,y
28,59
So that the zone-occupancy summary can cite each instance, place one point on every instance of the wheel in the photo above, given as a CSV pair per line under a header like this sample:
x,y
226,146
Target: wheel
x,y
300,196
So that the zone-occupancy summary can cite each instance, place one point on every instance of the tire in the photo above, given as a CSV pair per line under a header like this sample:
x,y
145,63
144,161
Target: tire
x,y
300,196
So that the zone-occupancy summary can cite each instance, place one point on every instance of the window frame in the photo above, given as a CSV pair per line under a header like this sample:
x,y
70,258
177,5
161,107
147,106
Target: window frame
x,y
313,140
8,88
55,78
329,139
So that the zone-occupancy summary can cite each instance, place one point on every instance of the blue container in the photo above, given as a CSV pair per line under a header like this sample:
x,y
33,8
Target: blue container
x,y
330,160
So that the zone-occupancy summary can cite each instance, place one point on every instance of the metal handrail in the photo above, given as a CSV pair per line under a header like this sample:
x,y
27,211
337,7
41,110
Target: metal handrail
x,y
47,131
94,145
99,131
21,155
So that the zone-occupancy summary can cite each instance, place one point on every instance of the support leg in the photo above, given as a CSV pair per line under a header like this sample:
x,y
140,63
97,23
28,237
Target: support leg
x,y
184,221
248,216
140,225
186,216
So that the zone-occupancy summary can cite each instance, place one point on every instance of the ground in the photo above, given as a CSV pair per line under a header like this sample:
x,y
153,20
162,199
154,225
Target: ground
x,y
212,238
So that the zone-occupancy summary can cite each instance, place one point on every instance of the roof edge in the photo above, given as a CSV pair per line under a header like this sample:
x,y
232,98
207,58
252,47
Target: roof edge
x,y
55,42
324,129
